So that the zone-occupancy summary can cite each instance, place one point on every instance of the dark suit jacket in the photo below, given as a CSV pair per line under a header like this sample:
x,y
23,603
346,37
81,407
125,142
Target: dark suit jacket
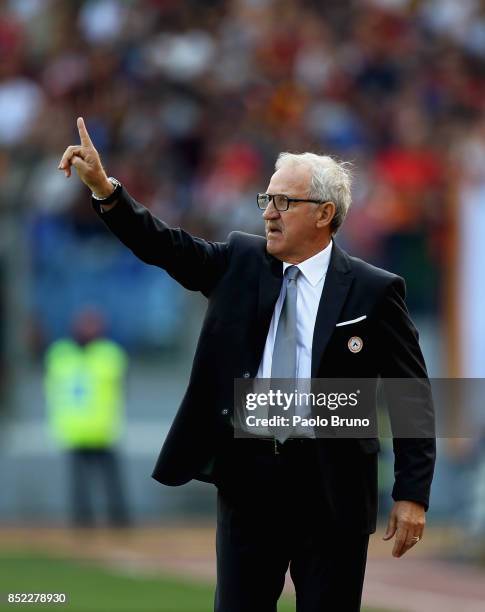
x,y
242,282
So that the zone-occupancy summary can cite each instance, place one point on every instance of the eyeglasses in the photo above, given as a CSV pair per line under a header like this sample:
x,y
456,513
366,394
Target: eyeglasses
x,y
280,200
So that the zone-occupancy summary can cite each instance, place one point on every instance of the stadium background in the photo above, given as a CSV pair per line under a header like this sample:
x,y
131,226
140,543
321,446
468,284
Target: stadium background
x,y
189,103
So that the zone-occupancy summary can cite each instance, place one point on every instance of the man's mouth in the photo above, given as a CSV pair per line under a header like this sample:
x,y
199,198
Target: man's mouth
x,y
273,231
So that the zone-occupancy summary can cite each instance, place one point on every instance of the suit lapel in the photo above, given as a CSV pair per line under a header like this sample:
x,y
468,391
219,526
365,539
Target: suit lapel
x,y
270,281
335,289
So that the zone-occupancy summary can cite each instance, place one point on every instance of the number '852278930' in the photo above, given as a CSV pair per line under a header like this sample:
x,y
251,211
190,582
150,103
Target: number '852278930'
x,y
23,598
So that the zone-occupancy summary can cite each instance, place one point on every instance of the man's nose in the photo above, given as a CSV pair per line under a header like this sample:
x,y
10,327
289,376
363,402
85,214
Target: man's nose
x,y
270,212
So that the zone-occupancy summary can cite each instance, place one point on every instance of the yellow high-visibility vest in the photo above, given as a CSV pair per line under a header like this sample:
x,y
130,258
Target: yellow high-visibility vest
x,y
84,390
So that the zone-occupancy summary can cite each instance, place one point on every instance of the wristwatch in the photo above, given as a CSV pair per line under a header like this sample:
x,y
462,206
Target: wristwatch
x,y
112,196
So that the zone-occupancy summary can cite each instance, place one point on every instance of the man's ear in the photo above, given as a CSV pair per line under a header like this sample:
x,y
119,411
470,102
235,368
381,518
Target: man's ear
x,y
326,212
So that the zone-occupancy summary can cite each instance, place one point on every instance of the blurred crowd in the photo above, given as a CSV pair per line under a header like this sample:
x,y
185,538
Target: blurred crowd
x,y
190,102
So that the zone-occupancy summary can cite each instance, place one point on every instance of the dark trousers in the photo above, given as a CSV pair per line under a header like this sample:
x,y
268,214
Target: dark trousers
x,y
91,471
271,516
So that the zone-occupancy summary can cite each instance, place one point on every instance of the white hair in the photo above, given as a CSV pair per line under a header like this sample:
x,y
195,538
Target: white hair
x,y
330,181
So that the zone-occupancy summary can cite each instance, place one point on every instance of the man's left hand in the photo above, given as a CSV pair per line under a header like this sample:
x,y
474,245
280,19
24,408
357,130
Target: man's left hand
x,y
406,521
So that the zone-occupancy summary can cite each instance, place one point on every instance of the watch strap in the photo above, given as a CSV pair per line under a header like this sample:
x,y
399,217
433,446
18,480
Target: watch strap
x,y
112,196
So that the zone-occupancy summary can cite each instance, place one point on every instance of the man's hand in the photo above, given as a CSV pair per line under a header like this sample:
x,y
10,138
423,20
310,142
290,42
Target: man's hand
x,y
85,159
407,520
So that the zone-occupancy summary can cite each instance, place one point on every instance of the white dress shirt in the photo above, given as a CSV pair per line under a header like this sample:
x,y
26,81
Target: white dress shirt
x,y
310,283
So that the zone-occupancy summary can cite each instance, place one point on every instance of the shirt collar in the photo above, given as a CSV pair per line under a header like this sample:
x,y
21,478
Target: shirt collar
x,y
314,268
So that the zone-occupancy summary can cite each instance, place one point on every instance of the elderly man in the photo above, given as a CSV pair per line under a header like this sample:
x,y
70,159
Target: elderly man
x,y
292,304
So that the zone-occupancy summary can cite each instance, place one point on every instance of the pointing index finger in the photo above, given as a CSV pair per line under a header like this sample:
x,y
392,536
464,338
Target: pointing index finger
x,y
83,133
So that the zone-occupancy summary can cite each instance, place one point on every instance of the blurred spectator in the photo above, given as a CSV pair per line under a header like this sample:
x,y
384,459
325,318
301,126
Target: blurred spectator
x,y
20,103
84,387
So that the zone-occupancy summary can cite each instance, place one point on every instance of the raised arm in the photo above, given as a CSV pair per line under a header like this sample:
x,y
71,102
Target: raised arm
x,y
195,263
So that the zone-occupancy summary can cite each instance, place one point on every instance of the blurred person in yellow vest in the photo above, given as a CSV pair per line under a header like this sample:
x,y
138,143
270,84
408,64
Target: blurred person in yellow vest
x,y
84,389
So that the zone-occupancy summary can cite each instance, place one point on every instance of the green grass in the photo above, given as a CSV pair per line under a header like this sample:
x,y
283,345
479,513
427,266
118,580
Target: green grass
x,y
91,588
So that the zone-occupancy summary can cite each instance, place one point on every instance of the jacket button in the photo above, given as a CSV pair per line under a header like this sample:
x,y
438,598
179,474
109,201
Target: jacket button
x,y
246,375
225,411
